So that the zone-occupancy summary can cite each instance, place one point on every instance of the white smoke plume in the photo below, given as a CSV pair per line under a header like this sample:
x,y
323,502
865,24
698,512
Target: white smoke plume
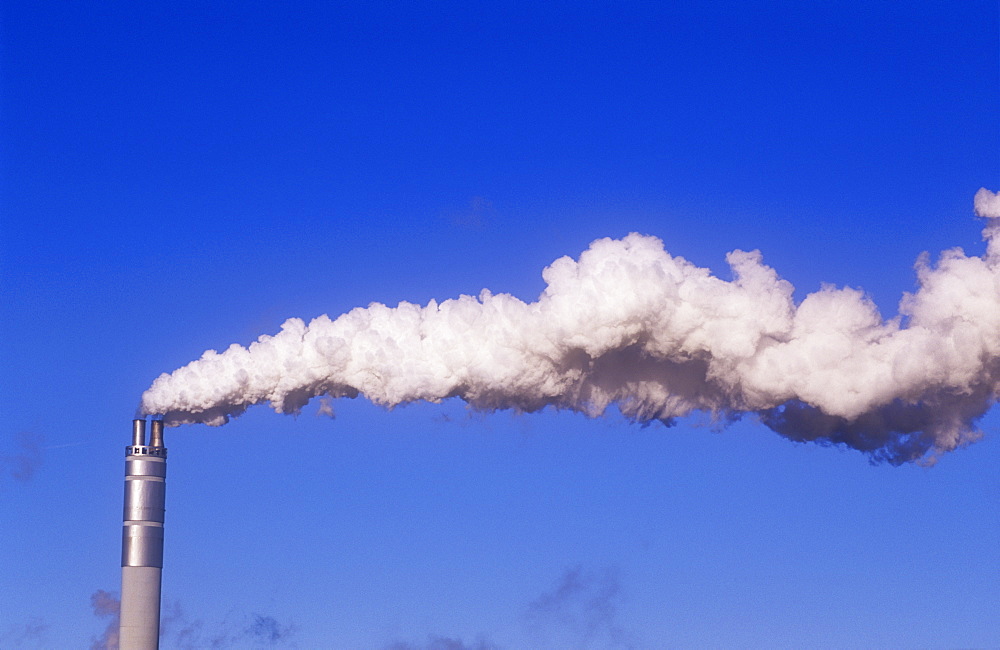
x,y
630,325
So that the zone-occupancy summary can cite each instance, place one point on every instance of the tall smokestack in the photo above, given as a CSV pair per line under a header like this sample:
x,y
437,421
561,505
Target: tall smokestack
x,y
142,538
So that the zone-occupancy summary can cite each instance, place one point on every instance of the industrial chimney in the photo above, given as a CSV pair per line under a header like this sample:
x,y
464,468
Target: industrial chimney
x,y
142,538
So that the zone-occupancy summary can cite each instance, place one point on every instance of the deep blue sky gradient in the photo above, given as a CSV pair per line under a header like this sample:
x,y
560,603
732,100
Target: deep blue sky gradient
x,y
179,178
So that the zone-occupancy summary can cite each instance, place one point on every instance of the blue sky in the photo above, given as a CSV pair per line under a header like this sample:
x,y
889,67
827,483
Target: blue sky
x,y
176,179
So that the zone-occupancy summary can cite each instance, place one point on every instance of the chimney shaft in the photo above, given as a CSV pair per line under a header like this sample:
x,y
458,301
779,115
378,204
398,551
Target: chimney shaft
x,y
142,538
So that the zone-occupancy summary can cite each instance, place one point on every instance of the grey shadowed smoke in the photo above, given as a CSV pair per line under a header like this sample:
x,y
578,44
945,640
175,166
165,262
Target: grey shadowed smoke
x,y
27,635
435,642
235,631
106,605
582,610
629,325
178,631
22,464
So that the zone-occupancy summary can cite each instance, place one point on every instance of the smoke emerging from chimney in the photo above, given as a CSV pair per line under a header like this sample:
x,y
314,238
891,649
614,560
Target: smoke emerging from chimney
x,y
630,325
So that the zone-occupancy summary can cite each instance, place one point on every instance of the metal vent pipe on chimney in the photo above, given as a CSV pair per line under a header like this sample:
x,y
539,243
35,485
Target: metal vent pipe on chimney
x,y
142,538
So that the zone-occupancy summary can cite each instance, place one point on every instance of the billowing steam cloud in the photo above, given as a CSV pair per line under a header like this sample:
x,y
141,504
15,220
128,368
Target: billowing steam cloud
x,y
628,324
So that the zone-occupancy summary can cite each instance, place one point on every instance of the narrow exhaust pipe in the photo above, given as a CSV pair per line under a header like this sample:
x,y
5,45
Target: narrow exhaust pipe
x,y
142,538
138,433
156,435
